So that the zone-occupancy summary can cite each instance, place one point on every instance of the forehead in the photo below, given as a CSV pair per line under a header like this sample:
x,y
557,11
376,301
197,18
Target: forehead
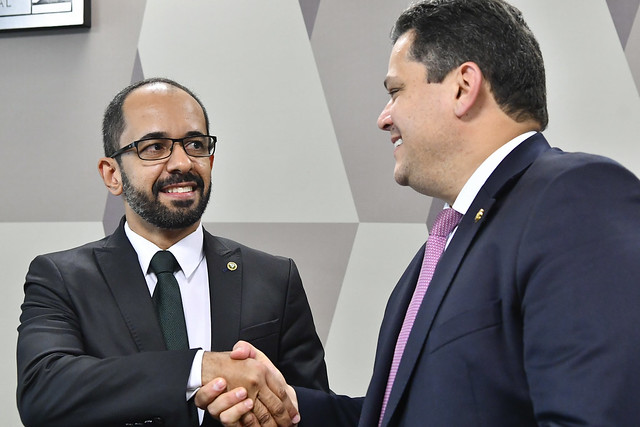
x,y
162,107
401,63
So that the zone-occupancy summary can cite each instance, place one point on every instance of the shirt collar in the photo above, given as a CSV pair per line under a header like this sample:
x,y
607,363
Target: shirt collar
x,y
484,171
189,251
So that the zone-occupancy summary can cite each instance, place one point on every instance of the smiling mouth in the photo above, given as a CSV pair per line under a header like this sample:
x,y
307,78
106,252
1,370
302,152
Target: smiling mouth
x,y
179,189
397,143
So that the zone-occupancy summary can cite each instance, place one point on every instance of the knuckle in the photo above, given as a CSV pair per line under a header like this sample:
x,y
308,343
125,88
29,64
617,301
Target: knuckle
x,y
248,420
253,382
278,410
262,414
264,417
282,393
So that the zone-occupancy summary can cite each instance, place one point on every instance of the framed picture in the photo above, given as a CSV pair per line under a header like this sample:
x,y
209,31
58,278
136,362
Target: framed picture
x,y
24,14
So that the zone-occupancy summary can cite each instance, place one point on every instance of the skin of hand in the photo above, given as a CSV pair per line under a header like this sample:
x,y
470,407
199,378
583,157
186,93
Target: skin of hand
x,y
232,408
250,382
243,350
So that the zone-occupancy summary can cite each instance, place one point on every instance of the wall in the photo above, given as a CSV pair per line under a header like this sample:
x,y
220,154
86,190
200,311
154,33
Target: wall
x,y
293,89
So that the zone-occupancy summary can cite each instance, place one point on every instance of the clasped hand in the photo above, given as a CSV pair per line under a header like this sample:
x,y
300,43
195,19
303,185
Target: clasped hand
x,y
243,388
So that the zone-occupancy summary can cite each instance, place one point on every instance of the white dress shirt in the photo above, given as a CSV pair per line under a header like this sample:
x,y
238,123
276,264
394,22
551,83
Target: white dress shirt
x,y
479,177
193,279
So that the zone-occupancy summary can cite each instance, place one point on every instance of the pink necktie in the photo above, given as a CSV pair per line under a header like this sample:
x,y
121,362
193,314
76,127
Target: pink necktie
x,y
444,224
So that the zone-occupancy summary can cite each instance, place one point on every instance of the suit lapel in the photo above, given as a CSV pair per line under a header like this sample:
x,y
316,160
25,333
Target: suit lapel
x,y
118,262
500,181
225,290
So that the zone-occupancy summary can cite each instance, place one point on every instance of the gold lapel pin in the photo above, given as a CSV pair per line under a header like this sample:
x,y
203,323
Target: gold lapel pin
x,y
232,266
479,215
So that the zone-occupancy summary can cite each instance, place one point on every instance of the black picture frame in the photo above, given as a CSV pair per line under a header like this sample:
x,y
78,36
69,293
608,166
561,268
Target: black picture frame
x,y
33,14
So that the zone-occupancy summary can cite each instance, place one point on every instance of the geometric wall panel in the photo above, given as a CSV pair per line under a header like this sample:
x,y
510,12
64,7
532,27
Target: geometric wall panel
x,y
623,14
293,89
351,45
632,50
370,278
55,85
251,63
588,79
21,242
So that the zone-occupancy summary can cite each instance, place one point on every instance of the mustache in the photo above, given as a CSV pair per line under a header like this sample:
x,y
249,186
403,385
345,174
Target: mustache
x,y
176,179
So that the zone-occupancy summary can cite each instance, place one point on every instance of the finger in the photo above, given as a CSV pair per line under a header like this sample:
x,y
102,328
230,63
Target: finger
x,y
237,415
249,420
283,408
264,417
242,350
207,393
261,357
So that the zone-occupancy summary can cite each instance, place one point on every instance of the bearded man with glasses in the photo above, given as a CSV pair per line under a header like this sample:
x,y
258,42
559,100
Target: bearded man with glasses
x,y
97,341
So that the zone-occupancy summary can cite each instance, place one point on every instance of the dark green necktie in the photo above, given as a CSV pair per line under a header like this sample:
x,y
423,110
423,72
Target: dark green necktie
x,y
168,302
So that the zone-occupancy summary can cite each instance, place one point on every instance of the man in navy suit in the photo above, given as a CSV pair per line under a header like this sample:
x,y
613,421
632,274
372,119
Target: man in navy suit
x,y
531,316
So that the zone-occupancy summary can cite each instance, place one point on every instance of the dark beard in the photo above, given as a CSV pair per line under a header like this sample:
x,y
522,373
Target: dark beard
x,y
155,213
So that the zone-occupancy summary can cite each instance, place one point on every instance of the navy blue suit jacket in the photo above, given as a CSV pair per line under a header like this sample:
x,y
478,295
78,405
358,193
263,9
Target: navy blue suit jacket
x,y
532,316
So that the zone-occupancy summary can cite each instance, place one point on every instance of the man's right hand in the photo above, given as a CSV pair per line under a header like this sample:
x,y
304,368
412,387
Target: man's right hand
x,y
263,383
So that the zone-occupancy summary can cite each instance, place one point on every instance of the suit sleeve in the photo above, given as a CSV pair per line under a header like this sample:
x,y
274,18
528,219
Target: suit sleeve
x,y
579,276
59,384
320,409
301,355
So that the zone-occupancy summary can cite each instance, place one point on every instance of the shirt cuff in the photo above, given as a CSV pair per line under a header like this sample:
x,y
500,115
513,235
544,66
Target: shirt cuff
x,y
195,376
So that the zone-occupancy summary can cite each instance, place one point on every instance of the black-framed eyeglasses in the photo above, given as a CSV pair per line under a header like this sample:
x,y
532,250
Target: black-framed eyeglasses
x,y
161,148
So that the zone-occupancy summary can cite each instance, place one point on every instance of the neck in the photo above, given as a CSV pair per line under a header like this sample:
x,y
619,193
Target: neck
x,y
482,143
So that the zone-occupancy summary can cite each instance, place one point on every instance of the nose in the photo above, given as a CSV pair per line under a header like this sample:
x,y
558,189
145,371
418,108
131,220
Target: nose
x,y
384,120
179,161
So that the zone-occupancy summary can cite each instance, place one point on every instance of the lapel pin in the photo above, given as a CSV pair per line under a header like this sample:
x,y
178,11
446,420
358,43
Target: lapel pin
x,y
232,266
479,215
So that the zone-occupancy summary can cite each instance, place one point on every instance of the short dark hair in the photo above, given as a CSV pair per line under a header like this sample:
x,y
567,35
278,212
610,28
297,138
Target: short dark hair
x,y
113,120
490,33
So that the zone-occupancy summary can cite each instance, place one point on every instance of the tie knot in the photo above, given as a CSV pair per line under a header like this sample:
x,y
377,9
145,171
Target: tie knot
x,y
445,222
164,262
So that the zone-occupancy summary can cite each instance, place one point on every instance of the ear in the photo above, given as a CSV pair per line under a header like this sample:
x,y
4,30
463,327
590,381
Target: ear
x,y
211,161
469,80
110,173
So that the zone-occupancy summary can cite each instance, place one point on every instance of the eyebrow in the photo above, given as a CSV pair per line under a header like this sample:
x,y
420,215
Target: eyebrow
x,y
162,134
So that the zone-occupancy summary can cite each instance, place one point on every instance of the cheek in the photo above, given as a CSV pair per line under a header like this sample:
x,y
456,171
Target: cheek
x,y
144,177
204,171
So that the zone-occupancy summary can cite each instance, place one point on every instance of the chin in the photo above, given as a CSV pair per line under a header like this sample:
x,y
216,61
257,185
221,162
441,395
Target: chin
x,y
400,178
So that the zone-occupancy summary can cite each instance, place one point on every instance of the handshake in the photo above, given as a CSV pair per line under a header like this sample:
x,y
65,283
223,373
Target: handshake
x,y
243,388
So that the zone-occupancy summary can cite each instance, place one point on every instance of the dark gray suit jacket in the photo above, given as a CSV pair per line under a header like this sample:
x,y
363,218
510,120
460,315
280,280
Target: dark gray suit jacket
x,y
532,314
90,348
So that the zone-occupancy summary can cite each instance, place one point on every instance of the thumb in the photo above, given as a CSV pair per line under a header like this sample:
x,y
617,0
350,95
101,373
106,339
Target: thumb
x,y
243,350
